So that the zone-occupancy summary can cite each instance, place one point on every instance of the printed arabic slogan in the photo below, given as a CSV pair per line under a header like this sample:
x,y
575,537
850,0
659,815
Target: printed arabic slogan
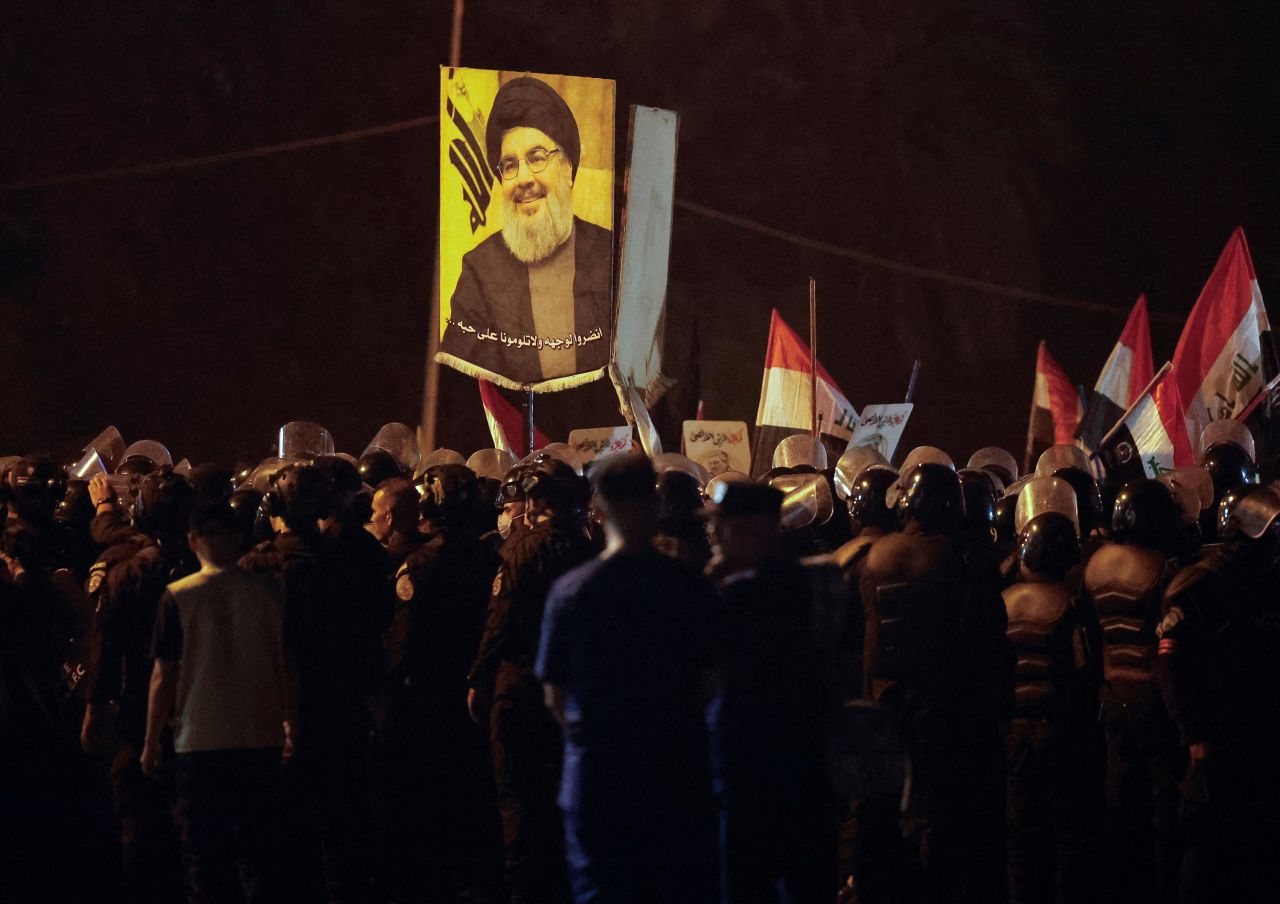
x,y
526,227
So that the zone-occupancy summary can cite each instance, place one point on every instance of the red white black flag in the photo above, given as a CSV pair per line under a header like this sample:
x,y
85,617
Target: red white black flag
x,y
785,394
1056,408
1152,437
1128,370
1224,356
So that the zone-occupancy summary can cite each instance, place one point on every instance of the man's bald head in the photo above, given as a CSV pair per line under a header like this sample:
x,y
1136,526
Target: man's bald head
x,y
395,508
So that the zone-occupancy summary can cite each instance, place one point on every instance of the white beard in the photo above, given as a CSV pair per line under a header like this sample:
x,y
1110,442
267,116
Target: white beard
x,y
534,238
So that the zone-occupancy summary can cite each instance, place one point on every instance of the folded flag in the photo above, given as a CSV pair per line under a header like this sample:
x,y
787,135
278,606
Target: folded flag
x,y
785,395
1224,356
506,423
1128,370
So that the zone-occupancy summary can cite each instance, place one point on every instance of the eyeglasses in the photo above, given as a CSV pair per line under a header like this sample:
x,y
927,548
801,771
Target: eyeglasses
x,y
509,167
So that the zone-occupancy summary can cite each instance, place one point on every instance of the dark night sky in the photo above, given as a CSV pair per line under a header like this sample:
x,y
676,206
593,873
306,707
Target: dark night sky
x,y
1091,150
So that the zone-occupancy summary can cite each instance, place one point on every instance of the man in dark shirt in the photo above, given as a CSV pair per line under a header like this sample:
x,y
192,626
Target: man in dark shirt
x,y
779,623
624,654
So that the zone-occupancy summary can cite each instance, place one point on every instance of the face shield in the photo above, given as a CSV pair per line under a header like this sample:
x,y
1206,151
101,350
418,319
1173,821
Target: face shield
x,y
799,451
304,439
398,441
1042,495
852,463
1227,431
491,464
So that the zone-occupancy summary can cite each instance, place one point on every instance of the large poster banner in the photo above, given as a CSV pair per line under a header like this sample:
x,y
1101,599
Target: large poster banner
x,y
526,227
718,446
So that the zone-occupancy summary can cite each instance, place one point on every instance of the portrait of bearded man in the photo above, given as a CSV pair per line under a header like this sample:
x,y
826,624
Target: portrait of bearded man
x,y
533,302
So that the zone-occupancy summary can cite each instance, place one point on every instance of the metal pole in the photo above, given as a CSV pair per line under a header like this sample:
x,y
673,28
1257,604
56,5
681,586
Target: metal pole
x,y
431,390
529,428
813,357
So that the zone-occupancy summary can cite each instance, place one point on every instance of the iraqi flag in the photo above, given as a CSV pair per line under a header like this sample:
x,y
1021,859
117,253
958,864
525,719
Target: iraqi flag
x,y
784,398
1152,437
1056,408
1224,356
1128,370
506,423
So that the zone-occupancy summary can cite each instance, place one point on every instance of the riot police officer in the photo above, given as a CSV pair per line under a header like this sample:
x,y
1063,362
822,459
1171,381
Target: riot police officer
x,y
936,657
525,740
124,625
334,646
1228,454
1053,746
1126,580
680,532
1216,662
434,779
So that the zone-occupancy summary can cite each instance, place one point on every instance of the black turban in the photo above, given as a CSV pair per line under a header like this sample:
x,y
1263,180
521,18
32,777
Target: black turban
x,y
529,102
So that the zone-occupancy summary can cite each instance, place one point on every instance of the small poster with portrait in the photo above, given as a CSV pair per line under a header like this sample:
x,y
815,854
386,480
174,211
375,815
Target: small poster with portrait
x,y
718,446
526,227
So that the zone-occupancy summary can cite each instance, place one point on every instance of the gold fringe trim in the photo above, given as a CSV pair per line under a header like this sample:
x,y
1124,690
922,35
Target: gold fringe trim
x,y
557,385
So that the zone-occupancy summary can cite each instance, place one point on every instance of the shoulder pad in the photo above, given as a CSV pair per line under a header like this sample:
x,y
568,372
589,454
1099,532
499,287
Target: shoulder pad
x,y
825,575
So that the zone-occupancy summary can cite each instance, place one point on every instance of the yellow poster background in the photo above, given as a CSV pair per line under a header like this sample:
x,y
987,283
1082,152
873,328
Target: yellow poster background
x,y
470,208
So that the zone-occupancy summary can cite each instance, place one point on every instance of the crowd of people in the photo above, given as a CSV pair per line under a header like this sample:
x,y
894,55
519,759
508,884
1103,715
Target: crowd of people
x,y
407,679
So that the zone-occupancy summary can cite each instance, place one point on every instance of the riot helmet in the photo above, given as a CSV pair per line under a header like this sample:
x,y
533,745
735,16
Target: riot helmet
x,y
853,462
551,483
1070,463
931,496
35,484
980,497
679,497
1227,432
143,457
1248,514
399,441
1048,545
163,504
212,483
298,494
343,483
867,495
1229,466
995,461
450,494
1047,521
377,465
1146,514
512,487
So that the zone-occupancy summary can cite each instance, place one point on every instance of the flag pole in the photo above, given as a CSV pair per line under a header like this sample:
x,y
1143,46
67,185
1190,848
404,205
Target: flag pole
x,y
1259,398
431,389
1102,443
911,384
529,428
813,357
1031,418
